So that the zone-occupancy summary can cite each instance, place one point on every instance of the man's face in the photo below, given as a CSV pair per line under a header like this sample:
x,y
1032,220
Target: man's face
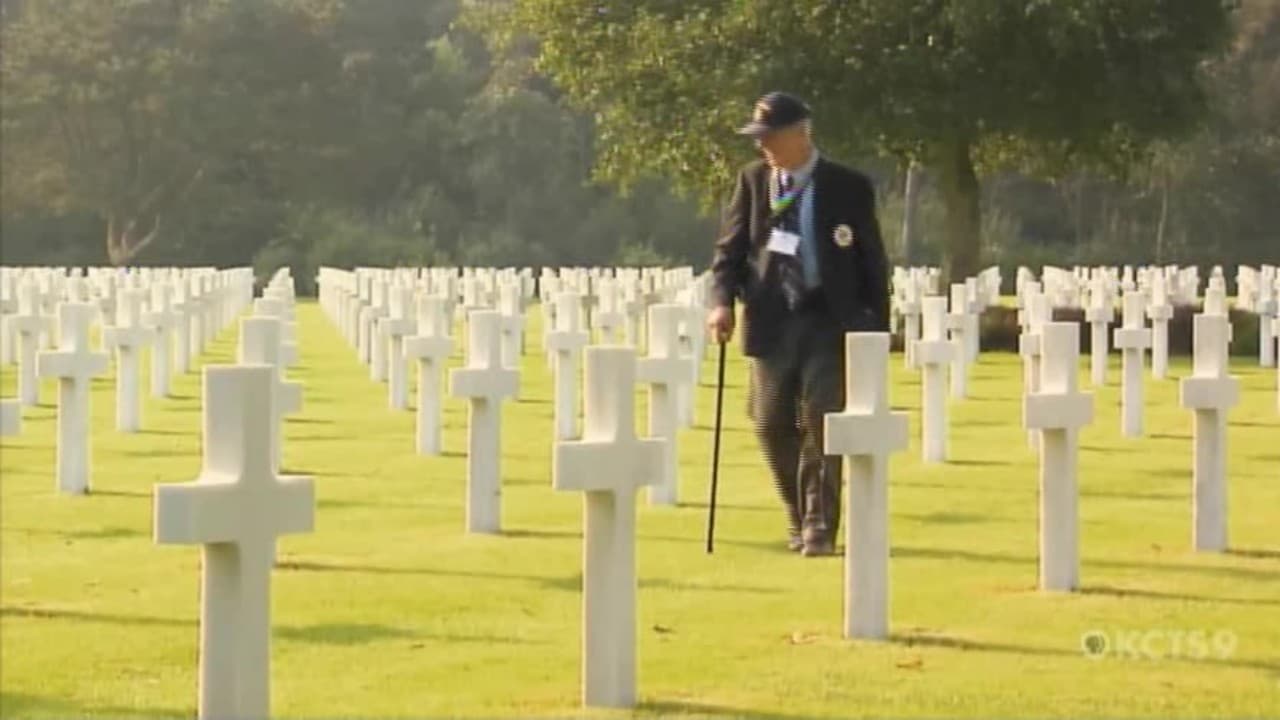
x,y
787,147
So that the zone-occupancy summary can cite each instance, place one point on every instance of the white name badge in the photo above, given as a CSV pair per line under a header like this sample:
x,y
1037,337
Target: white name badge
x,y
781,241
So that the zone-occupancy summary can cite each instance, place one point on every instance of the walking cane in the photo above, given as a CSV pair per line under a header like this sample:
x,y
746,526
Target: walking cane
x,y
715,455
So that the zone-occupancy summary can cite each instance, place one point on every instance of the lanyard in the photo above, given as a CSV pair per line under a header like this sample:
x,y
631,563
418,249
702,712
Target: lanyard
x,y
785,200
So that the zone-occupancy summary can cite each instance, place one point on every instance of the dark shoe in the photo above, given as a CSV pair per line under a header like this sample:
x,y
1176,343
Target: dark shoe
x,y
794,542
818,547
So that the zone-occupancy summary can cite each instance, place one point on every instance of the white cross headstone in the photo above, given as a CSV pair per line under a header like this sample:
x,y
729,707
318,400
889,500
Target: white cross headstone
x,y
1215,303
128,337
235,509
865,433
565,343
260,345
1099,314
1159,311
486,384
161,320
1210,392
1057,410
395,327
608,465
10,417
73,364
511,305
1132,338
1268,317
1038,313
431,348
27,325
933,352
185,308
958,324
664,371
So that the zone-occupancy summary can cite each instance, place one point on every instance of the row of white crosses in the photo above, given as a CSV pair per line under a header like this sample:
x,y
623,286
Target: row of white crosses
x,y
610,463
144,318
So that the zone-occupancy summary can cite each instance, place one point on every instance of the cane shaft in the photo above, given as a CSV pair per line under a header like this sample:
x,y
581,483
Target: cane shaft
x,y
715,454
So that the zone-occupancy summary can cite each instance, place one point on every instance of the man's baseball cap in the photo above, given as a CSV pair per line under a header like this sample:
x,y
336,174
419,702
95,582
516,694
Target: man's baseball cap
x,y
775,111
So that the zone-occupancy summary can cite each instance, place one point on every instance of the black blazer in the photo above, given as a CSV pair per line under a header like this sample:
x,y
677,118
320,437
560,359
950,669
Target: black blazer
x,y
855,279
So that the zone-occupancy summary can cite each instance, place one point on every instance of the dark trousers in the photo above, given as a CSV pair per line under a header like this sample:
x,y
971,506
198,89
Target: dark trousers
x,y
791,391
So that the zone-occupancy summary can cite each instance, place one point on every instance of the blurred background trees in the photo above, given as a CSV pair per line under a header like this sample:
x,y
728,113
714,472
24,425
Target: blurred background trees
x,y
527,132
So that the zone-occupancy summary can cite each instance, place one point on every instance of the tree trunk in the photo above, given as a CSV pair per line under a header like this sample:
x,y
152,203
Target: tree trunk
x,y
1164,217
123,243
960,197
911,213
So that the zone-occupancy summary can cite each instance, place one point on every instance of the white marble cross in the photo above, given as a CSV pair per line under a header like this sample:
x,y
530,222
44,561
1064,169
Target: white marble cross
x,y
1057,411
1099,314
1038,313
161,320
1268,318
274,307
1210,392
10,417
392,330
73,364
910,308
235,509
565,343
1159,311
185,307
431,348
27,326
607,318
128,336
260,345
486,384
608,465
197,304
1215,303
958,324
511,305
933,353
1132,339
865,433
664,371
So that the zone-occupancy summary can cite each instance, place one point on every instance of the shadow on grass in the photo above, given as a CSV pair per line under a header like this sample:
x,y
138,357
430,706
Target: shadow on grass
x,y
111,533
955,643
663,708
950,518
120,493
543,534
1169,436
25,705
1144,496
1255,553
341,633
731,506
1238,573
1109,449
1119,592
307,421
981,463
40,613
570,583
160,431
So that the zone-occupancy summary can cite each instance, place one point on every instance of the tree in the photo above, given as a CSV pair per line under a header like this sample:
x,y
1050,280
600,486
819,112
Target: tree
x,y
132,109
963,87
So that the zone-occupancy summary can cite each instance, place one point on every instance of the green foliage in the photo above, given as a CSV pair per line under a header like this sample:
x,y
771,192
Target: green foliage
x,y
960,85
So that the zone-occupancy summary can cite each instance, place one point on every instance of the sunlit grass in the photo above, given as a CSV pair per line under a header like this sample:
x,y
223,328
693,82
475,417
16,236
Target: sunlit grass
x,y
388,609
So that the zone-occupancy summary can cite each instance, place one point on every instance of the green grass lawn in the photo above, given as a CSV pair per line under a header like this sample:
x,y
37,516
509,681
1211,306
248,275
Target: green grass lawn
x,y
389,609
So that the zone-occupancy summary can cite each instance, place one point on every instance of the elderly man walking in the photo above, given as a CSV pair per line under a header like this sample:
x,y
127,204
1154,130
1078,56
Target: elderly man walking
x,y
801,251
